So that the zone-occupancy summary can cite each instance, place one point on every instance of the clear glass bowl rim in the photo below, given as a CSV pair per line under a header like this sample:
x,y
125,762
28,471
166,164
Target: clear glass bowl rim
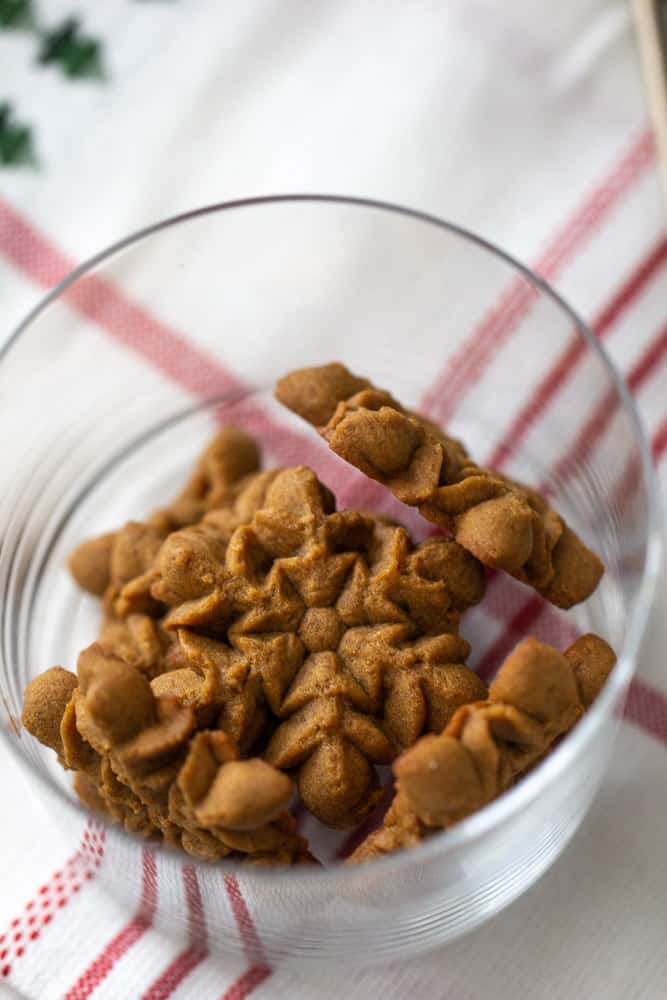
x,y
520,796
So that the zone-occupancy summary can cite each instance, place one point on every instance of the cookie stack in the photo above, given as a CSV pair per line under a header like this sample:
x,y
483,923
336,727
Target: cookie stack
x,y
257,642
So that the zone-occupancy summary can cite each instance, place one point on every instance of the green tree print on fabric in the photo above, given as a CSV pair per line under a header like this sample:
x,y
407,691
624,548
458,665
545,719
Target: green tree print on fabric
x,y
16,145
16,14
77,55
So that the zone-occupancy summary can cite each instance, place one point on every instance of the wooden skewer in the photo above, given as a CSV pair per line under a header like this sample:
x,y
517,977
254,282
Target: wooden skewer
x,y
651,21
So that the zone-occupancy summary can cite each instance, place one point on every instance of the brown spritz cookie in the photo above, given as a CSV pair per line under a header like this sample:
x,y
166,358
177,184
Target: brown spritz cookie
x,y
331,621
225,465
504,524
228,459
538,695
49,714
143,736
138,761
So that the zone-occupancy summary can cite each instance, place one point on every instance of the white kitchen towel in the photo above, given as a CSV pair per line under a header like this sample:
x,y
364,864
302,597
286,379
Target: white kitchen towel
x,y
525,122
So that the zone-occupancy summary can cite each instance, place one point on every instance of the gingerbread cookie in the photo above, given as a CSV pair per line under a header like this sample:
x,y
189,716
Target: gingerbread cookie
x,y
504,524
538,695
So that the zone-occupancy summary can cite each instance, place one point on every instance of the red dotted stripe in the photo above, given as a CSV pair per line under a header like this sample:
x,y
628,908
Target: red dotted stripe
x,y
247,983
258,967
468,363
125,939
52,897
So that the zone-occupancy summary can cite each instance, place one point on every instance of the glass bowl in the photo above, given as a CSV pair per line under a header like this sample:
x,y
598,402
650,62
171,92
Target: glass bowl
x,y
114,382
